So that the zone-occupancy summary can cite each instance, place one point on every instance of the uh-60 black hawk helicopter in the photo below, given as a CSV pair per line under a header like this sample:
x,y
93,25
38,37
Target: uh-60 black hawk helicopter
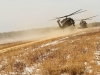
x,y
83,23
67,21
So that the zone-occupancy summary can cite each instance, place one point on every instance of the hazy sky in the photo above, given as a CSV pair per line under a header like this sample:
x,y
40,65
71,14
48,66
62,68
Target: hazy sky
x,y
27,14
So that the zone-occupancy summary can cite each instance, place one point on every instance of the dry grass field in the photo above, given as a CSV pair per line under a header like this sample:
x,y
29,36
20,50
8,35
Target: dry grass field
x,y
75,54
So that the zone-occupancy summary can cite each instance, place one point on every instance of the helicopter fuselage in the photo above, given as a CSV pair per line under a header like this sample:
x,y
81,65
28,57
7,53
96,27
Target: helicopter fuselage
x,y
66,22
83,24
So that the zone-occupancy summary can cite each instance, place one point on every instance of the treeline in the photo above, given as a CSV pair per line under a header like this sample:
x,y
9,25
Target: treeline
x,y
94,24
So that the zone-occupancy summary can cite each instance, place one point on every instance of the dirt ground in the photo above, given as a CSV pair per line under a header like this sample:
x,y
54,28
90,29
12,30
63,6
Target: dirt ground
x,y
60,53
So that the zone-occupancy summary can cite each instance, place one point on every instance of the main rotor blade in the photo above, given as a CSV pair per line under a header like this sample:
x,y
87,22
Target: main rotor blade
x,y
71,14
76,12
83,19
54,19
90,17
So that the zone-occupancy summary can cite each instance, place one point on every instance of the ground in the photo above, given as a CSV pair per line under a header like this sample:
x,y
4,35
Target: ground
x,y
72,54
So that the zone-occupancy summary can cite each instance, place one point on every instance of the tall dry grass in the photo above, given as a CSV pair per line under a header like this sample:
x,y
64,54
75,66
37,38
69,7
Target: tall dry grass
x,y
73,55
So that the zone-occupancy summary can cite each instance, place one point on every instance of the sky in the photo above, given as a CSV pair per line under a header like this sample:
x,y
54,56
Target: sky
x,y
27,14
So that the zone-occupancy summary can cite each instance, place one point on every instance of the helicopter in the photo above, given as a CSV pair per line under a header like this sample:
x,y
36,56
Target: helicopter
x,y
67,21
83,23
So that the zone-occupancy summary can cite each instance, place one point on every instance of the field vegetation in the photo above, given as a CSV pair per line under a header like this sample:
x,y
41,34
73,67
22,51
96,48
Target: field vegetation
x,y
75,54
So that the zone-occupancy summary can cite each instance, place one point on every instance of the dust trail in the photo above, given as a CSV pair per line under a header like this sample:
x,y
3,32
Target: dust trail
x,y
58,32
41,34
62,32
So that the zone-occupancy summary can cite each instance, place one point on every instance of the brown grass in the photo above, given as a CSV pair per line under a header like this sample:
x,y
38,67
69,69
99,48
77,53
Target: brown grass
x,y
67,56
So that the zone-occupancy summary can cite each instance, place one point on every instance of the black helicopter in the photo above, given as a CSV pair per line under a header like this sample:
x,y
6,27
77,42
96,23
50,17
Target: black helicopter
x,y
83,23
67,21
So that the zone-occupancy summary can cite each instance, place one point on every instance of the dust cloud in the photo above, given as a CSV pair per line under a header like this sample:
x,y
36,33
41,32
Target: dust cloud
x,y
39,34
36,34
62,32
